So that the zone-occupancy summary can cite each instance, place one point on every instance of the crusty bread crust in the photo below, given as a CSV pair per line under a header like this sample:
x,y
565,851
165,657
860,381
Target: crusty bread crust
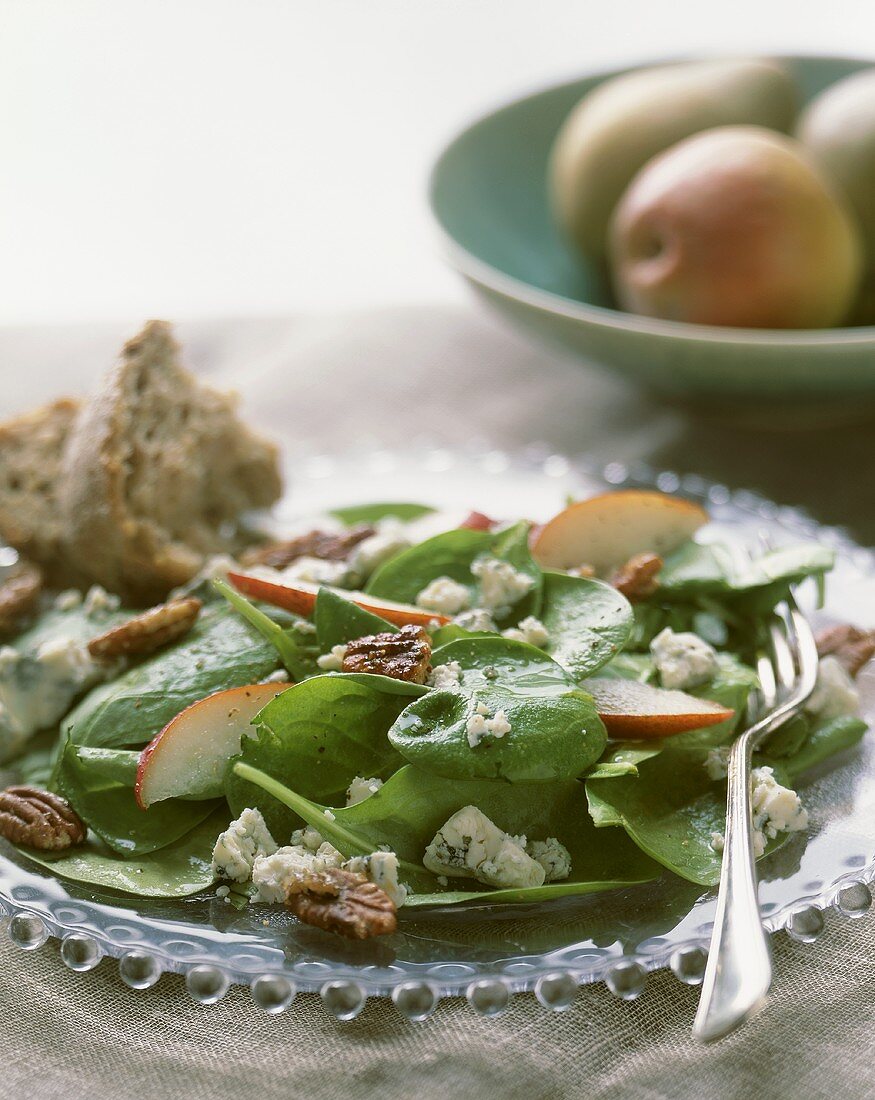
x,y
156,472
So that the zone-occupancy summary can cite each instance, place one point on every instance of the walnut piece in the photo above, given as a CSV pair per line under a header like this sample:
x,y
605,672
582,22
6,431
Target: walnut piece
x,y
315,544
147,632
18,595
639,577
39,819
853,647
402,654
343,902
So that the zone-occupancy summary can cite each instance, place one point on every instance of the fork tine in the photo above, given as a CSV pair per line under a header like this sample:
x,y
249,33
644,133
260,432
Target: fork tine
x,y
768,685
784,664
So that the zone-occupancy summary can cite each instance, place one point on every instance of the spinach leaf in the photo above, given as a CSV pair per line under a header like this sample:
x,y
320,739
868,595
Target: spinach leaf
x,y
180,869
339,620
555,731
296,643
825,740
220,651
623,758
317,737
99,785
452,554
731,687
712,568
588,621
411,806
373,513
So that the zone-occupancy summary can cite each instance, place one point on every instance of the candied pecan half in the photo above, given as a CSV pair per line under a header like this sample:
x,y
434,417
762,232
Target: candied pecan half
x,y
18,595
39,819
343,902
848,644
402,654
147,632
315,544
639,577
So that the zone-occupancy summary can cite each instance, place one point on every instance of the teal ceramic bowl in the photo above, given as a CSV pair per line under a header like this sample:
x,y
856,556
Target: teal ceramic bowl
x,y
489,195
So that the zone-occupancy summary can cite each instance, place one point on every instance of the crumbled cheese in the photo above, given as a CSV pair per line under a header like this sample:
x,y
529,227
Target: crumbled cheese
x,y
382,869
469,845
718,842
309,837
553,856
238,847
305,626
531,630
273,872
501,585
445,596
717,762
776,809
331,816
333,661
98,599
445,677
280,676
224,892
390,539
68,600
683,660
360,789
478,621
834,695
479,726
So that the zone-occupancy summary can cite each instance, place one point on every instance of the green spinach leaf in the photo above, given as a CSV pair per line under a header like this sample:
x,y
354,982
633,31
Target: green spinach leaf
x,y
180,869
411,806
339,620
588,621
221,651
373,513
296,643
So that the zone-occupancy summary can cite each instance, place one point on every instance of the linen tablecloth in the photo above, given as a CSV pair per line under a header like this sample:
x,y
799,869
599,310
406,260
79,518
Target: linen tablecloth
x,y
324,383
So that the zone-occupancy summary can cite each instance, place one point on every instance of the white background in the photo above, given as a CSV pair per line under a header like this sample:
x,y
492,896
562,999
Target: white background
x,y
197,158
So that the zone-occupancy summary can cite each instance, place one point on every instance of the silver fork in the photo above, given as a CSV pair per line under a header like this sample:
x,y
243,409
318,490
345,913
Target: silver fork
x,y
739,969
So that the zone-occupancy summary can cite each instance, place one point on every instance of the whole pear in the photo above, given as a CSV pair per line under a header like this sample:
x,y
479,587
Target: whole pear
x,y
838,130
735,226
627,120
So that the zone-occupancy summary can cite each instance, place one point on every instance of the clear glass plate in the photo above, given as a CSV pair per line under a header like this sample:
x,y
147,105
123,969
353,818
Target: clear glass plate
x,y
487,954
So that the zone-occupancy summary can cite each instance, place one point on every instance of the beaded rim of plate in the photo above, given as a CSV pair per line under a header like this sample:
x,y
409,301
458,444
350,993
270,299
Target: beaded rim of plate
x,y
30,917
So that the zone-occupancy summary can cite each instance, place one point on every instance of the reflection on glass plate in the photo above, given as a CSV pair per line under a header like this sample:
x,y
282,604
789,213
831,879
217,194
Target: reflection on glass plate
x,y
486,955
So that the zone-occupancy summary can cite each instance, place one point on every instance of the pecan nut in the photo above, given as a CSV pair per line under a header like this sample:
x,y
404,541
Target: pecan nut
x,y
853,647
19,594
639,577
343,902
147,632
315,544
39,819
404,654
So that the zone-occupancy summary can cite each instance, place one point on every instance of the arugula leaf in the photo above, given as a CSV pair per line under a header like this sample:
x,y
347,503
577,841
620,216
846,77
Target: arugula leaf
x,y
180,869
99,785
588,621
317,737
411,806
339,620
555,732
452,554
220,651
297,647
373,513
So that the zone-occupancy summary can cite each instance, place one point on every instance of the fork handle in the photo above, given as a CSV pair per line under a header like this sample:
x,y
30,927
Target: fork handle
x,y
739,969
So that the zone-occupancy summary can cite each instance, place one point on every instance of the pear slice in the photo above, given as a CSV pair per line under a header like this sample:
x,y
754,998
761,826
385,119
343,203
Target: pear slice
x,y
188,758
300,598
605,531
632,711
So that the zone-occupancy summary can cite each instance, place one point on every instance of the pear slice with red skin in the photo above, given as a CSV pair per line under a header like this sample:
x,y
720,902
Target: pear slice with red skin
x,y
605,531
187,759
632,711
300,598
478,521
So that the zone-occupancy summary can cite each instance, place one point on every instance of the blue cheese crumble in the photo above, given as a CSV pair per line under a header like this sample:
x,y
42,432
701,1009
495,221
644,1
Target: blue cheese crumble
x,y
553,856
469,845
446,677
501,585
531,631
478,620
445,596
776,809
834,695
244,841
683,660
481,724
333,661
361,788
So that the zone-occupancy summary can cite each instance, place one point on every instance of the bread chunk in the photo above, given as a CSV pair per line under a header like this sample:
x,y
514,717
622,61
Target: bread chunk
x,y
31,451
156,472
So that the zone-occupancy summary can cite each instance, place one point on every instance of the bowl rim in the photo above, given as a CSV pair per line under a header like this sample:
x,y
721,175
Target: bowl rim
x,y
548,301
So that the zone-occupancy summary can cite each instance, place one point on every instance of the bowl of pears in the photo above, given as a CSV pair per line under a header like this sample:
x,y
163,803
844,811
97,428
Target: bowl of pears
x,y
706,228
